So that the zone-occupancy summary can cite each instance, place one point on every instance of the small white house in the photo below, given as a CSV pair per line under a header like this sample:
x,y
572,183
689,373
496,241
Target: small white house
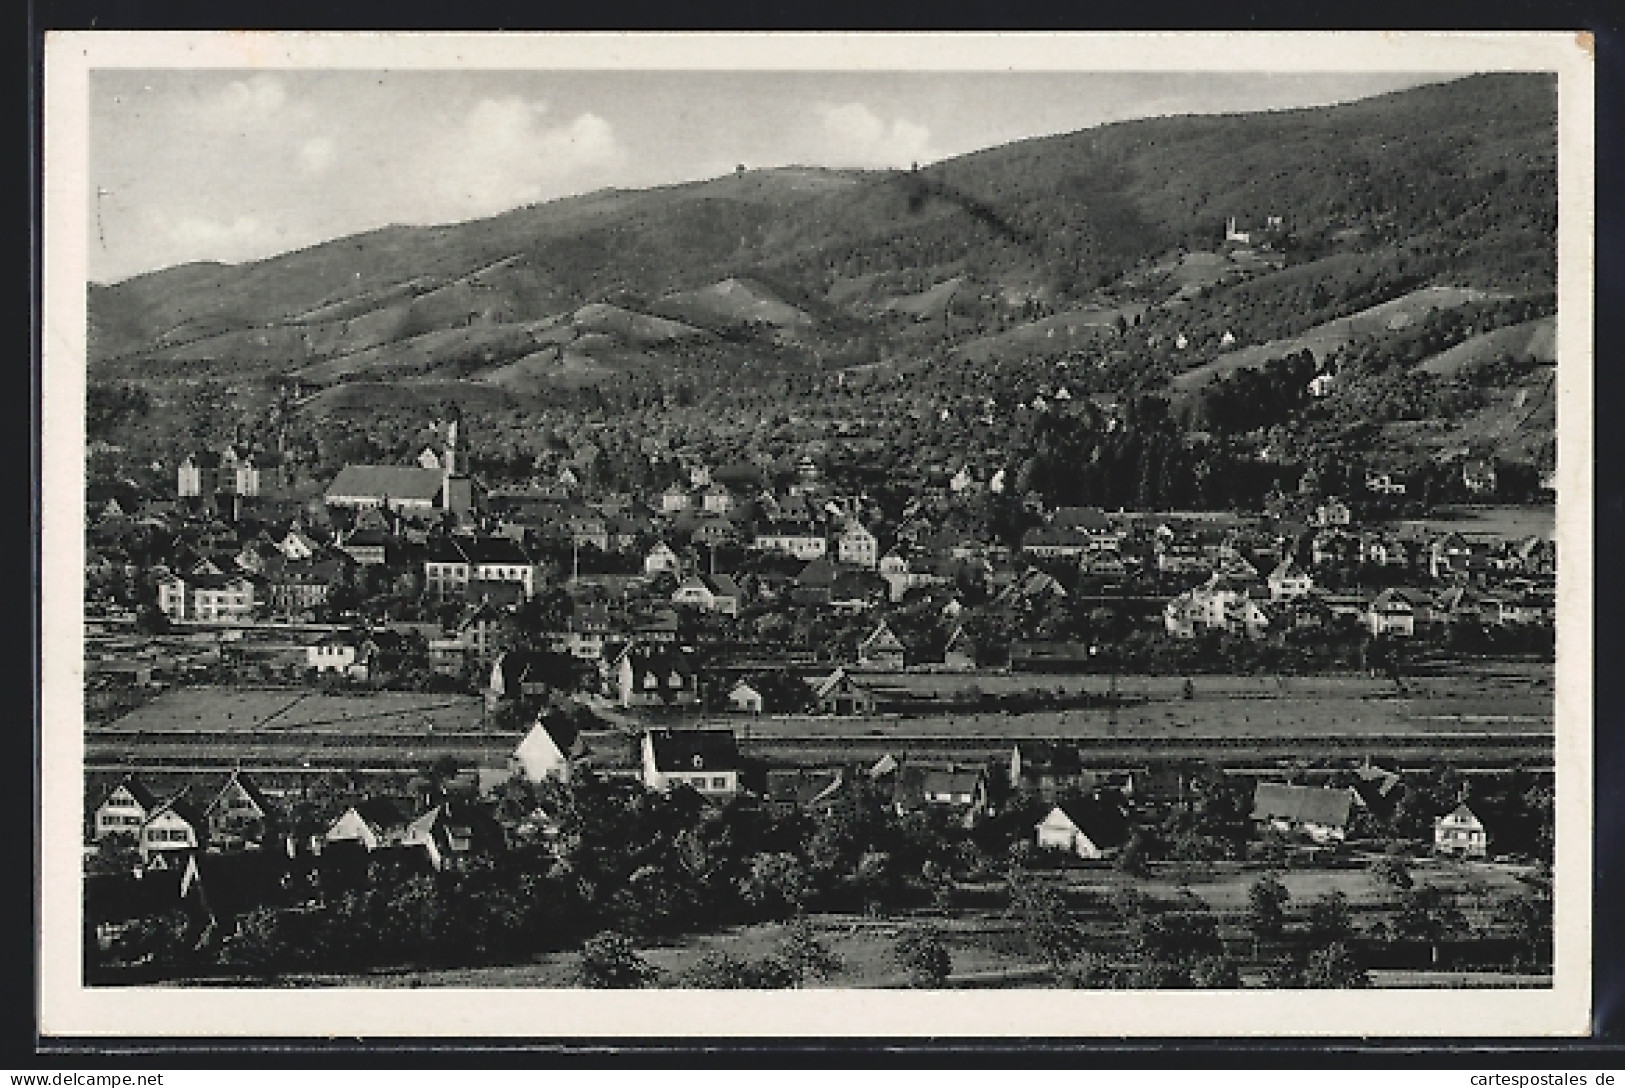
x,y
1089,828
541,756
662,560
744,698
1289,582
1461,834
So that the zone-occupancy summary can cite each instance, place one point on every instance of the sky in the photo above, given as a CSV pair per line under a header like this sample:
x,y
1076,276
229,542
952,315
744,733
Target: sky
x,y
190,165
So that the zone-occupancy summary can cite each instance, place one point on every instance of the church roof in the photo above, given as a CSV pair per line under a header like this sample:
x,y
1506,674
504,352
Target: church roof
x,y
386,481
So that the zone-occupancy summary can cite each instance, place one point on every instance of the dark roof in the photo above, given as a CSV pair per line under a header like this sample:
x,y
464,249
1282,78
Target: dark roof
x,y
1102,822
801,786
251,788
495,549
381,812
1046,757
1080,517
385,481
1302,804
818,572
694,749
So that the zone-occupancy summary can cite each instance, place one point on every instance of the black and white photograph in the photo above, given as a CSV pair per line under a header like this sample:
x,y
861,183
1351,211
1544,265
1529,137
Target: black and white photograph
x,y
810,515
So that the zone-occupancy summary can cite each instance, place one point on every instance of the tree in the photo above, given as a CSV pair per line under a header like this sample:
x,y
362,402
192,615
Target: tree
x,y
1050,928
610,962
1335,967
776,885
1528,919
1390,870
1428,913
1329,918
922,952
1266,906
804,955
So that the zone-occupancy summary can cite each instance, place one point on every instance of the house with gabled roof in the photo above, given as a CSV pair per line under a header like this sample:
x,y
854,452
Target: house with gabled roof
x,y
241,817
716,593
371,824
1047,768
799,789
706,760
839,695
1288,581
651,675
173,826
881,648
1399,611
661,559
1089,827
124,810
960,650
544,752
451,832
1460,833
1321,813
857,545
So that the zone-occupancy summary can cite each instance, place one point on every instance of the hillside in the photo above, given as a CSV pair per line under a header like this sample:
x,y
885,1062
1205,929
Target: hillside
x,y
1406,242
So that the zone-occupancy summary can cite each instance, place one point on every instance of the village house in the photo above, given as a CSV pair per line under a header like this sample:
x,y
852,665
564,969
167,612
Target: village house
x,y
797,789
674,500
520,674
1289,582
706,760
174,825
839,695
961,790
881,649
1047,768
451,832
367,547
745,698
959,652
650,676
1089,827
339,654
124,810
1399,611
207,597
662,560
717,499
1460,834
241,817
376,823
800,540
716,593
1322,814
544,752
1333,513
857,545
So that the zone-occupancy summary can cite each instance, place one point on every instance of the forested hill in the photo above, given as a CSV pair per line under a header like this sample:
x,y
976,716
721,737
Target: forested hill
x,y
1453,182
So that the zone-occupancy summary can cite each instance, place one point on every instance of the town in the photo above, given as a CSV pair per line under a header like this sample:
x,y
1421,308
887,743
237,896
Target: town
x,y
414,667
1117,559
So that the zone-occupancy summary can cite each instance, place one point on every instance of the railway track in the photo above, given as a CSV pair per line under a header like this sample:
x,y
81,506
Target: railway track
x,y
350,751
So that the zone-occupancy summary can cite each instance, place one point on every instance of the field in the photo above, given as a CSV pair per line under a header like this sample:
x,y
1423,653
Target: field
x,y
1495,522
276,710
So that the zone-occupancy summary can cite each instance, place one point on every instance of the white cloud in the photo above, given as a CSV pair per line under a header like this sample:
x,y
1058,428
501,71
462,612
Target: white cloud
x,y
316,155
247,101
854,135
504,154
